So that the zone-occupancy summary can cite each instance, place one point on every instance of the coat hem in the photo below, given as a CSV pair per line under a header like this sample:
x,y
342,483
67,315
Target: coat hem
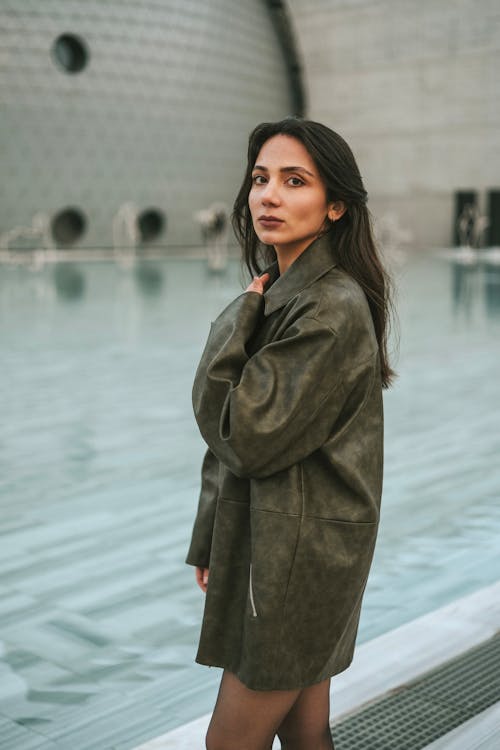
x,y
267,686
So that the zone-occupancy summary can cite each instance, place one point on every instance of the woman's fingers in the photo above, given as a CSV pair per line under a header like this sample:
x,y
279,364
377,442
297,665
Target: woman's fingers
x,y
202,578
257,284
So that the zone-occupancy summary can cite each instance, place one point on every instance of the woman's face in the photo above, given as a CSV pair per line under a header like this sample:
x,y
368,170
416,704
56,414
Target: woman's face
x,y
287,199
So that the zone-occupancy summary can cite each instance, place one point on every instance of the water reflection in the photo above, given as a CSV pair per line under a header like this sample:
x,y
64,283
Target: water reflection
x,y
69,281
463,278
475,277
492,289
149,278
70,284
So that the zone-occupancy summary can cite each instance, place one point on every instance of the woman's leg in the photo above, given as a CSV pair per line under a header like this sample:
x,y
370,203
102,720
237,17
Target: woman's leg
x,y
307,724
245,719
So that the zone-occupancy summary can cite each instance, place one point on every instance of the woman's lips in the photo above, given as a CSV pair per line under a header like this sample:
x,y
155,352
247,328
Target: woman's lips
x,y
270,222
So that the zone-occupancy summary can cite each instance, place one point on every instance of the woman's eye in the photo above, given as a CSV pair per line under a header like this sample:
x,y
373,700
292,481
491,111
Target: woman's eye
x,y
258,179
295,181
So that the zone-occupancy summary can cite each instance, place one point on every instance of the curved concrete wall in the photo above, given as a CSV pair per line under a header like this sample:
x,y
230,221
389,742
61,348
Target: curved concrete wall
x,y
414,88
159,116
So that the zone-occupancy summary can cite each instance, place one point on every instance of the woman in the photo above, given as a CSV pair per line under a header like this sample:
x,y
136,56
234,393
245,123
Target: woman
x,y
288,397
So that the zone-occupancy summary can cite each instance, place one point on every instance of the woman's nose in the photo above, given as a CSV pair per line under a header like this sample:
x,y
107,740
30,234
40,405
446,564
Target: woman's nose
x,y
270,194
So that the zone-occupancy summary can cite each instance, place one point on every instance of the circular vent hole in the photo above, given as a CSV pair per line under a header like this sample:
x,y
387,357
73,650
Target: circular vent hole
x,y
70,53
151,224
68,226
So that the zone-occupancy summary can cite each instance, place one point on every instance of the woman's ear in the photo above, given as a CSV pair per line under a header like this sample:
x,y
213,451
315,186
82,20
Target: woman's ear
x,y
336,210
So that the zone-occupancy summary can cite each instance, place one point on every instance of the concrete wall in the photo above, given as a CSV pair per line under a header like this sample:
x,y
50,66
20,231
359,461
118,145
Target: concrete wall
x,y
413,86
160,115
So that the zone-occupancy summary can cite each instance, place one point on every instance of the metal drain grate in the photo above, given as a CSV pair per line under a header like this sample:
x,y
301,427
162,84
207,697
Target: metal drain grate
x,y
428,707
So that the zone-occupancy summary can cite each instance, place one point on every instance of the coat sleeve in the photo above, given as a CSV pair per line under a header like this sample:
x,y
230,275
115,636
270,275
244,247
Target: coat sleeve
x,y
201,538
260,414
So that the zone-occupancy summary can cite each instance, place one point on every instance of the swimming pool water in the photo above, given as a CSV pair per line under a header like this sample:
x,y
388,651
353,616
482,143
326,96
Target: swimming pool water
x,y
99,477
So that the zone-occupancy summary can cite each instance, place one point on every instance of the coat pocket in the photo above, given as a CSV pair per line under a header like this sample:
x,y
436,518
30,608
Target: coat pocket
x,y
272,550
327,582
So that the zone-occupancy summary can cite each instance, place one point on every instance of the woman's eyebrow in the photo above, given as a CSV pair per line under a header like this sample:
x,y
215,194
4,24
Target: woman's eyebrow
x,y
285,169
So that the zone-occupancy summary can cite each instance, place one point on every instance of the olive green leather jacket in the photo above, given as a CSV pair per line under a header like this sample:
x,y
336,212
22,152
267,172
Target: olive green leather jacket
x,y
288,398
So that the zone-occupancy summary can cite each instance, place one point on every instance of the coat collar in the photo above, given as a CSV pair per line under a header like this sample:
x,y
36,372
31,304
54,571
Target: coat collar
x,y
312,263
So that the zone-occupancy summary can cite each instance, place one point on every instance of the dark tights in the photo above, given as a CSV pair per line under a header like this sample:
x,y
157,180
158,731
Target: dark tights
x,y
245,719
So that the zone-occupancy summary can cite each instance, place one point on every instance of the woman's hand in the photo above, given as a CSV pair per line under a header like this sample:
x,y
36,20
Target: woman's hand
x,y
257,284
202,578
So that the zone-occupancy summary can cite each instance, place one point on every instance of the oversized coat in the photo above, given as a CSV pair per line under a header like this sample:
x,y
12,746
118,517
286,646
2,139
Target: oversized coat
x,y
288,398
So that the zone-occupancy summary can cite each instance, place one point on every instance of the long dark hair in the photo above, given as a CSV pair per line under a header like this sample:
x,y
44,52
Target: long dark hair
x,y
351,235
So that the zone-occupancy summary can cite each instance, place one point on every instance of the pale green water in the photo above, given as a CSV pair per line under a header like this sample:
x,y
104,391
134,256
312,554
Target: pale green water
x,y
99,468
